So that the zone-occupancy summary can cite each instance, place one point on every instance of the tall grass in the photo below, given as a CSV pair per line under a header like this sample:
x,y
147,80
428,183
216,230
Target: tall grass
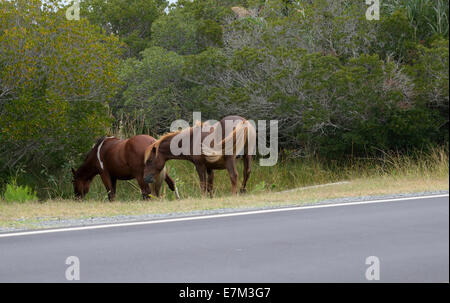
x,y
428,17
288,174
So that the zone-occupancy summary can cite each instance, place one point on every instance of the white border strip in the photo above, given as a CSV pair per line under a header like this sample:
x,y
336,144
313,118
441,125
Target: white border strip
x,y
245,213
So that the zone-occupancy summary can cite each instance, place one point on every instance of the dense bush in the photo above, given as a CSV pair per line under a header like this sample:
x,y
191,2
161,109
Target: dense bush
x,y
56,79
338,84
154,89
130,20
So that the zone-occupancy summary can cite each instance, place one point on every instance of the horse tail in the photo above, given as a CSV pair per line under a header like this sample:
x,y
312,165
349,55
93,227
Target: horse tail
x,y
250,140
245,138
235,142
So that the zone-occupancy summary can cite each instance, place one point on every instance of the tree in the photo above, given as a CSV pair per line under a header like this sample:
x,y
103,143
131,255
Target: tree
x,y
155,92
191,27
431,79
336,82
314,78
130,20
428,18
56,79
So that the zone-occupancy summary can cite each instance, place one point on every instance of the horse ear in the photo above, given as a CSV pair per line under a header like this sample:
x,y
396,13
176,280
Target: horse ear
x,y
73,171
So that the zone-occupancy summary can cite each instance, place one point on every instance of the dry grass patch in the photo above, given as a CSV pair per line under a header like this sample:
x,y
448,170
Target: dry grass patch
x,y
25,215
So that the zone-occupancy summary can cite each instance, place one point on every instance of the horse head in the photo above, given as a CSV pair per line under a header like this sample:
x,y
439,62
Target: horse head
x,y
80,185
154,163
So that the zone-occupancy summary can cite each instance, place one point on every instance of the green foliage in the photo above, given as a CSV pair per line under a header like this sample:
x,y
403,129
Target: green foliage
x,y
428,17
338,84
176,32
431,76
309,70
397,129
18,193
395,36
154,88
57,77
190,28
131,20
215,10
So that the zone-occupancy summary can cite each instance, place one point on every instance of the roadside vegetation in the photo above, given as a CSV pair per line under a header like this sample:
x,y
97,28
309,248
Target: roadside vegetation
x,y
360,101
292,182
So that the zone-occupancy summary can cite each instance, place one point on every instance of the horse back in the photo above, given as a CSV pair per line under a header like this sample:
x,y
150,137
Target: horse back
x,y
135,149
125,158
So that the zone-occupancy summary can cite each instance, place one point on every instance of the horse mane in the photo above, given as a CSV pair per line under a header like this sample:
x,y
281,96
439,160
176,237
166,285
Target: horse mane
x,y
164,137
242,132
99,141
84,166
156,144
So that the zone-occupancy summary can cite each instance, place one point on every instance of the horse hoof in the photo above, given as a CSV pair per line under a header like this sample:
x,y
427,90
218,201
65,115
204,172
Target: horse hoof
x,y
243,190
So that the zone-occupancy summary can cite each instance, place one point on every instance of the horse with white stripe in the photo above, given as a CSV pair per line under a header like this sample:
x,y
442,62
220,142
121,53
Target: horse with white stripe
x,y
114,159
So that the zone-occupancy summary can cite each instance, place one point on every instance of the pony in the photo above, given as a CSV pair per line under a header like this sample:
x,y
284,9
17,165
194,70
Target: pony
x,y
216,153
114,159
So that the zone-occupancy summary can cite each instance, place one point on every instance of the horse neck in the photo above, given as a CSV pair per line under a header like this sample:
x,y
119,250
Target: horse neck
x,y
164,150
88,169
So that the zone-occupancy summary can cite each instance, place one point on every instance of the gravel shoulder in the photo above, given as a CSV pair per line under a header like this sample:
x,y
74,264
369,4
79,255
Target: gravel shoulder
x,y
45,224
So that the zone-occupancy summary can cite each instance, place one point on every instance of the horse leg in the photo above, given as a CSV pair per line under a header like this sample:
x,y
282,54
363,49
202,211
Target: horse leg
x,y
114,186
172,186
232,171
247,171
158,184
145,188
201,170
210,182
107,181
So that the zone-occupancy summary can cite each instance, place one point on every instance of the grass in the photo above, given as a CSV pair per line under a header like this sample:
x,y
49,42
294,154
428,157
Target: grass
x,y
390,174
426,16
15,193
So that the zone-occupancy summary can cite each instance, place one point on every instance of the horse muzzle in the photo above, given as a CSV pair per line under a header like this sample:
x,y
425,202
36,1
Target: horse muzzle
x,y
149,179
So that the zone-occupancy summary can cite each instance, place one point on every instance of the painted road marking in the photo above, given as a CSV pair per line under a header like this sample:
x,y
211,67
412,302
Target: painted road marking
x,y
194,218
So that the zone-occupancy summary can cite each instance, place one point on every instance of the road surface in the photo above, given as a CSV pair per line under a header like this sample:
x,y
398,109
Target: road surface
x,y
410,238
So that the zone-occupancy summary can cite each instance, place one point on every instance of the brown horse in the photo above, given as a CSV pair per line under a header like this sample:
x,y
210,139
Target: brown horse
x,y
213,155
114,159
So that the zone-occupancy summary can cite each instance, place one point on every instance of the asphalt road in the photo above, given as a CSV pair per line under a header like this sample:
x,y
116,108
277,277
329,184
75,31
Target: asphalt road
x,y
410,239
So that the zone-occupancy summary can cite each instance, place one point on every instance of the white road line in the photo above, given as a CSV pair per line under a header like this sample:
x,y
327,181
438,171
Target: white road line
x,y
244,213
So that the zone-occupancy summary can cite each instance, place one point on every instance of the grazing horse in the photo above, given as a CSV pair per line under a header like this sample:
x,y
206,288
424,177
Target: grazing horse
x,y
114,159
215,154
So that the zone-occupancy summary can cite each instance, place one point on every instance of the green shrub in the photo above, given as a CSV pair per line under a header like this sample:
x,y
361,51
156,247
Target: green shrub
x,y
53,96
18,193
